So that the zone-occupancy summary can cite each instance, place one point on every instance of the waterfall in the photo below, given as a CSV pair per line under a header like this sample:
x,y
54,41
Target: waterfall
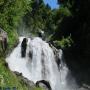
x,y
40,64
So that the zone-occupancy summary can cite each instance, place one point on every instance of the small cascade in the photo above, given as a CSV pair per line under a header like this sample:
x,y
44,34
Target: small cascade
x,y
39,64
67,81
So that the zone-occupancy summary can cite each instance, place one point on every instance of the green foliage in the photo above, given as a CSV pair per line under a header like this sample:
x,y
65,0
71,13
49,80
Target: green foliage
x,y
60,16
11,13
65,42
8,79
39,18
36,16
65,11
12,39
37,88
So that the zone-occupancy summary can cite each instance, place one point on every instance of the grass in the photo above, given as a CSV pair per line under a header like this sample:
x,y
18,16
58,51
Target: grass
x,y
9,79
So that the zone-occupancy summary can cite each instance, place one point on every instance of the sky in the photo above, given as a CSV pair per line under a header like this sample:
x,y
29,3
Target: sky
x,y
52,3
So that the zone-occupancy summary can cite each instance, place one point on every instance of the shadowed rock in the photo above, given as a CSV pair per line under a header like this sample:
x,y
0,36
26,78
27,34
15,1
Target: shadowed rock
x,y
3,39
44,84
23,47
30,54
56,53
41,34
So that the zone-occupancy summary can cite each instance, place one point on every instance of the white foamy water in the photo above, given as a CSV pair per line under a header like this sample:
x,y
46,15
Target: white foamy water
x,y
41,66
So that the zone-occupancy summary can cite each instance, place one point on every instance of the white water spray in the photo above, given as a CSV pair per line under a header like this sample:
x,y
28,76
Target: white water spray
x,y
41,66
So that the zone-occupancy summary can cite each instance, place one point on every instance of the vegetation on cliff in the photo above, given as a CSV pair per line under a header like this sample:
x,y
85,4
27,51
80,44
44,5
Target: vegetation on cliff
x,y
66,27
11,13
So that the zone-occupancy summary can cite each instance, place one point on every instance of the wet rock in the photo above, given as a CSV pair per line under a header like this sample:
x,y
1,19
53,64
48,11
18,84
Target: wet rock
x,y
56,53
43,84
30,84
83,89
6,65
23,47
17,73
87,87
30,54
41,34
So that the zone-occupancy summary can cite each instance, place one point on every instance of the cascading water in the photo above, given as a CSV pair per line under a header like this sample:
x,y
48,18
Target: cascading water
x,y
41,65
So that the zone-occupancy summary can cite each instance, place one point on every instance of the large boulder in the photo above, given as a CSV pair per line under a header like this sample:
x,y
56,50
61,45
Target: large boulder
x,y
43,84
